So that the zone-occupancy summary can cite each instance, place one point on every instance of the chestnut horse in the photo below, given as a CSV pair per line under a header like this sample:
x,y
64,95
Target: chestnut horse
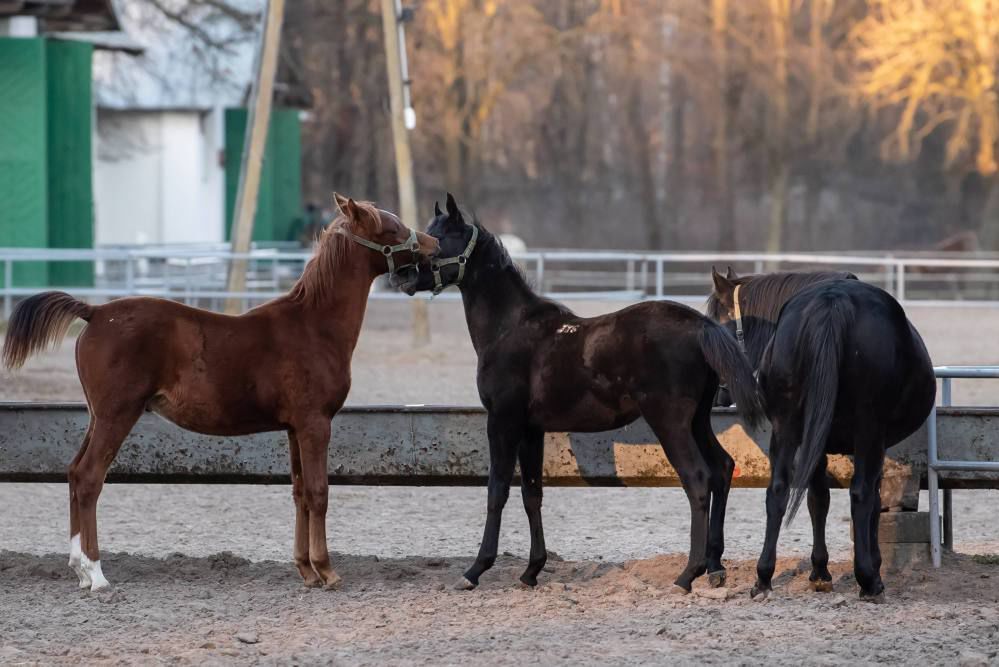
x,y
283,366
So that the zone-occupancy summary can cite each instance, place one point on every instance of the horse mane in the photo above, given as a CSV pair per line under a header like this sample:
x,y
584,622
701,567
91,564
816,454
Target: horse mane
x,y
319,278
761,299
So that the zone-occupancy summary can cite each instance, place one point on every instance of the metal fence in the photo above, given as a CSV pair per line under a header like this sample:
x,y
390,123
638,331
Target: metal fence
x,y
934,465
196,274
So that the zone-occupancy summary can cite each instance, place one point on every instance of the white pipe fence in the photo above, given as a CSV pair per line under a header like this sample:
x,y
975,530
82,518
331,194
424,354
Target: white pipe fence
x,y
934,465
196,274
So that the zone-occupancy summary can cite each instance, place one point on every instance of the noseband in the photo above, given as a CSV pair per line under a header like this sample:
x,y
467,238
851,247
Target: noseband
x,y
411,244
460,260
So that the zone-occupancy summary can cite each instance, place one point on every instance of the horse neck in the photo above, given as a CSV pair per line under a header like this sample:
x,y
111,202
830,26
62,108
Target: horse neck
x,y
759,325
339,311
495,296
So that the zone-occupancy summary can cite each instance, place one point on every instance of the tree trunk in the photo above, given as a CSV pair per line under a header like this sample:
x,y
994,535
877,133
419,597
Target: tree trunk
x,y
675,184
988,226
644,166
779,186
779,167
720,145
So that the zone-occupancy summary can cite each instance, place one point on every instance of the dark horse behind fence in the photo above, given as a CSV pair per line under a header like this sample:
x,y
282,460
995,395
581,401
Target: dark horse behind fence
x,y
284,365
542,368
843,372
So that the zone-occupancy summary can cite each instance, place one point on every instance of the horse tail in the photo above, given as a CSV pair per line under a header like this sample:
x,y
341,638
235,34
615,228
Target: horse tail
x,y
39,321
730,363
818,354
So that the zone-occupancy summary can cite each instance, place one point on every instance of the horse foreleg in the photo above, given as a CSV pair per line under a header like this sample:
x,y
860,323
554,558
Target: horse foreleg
x,y
532,453
301,550
504,440
313,442
818,509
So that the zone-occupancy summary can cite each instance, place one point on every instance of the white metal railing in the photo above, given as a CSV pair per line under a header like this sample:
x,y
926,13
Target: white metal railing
x,y
196,272
934,465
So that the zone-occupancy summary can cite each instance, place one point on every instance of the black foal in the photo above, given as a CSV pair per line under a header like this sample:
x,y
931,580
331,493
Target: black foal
x,y
843,372
541,368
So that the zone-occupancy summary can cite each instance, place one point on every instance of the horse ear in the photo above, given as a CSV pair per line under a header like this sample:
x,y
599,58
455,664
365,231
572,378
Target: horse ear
x,y
453,214
730,274
437,209
341,203
723,285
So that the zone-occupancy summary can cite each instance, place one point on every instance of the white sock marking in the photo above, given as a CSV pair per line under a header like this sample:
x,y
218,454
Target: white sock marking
x,y
75,554
93,571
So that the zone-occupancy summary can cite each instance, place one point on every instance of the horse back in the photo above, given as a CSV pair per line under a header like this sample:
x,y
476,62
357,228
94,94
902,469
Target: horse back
x,y
884,368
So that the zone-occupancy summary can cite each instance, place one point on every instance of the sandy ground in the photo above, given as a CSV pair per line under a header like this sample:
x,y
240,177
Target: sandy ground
x,y
202,574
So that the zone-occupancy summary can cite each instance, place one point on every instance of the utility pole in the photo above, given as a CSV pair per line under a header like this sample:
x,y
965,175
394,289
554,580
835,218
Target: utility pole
x,y
403,120
254,145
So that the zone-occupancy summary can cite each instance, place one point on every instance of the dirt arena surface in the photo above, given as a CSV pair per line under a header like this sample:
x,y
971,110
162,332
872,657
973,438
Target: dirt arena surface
x,y
202,574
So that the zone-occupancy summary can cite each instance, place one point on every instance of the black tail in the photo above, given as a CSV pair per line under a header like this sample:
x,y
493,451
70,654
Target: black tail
x,y
818,353
39,321
726,359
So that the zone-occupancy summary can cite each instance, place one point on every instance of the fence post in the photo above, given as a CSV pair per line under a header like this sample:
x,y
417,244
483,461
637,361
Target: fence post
x,y
8,285
541,273
948,500
900,282
129,275
933,484
660,287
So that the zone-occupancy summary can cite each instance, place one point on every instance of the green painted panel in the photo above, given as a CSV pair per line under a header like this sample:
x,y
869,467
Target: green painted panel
x,y
286,151
70,167
279,201
23,181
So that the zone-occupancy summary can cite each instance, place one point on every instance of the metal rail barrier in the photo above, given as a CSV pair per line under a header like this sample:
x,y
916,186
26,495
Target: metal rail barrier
x,y
935,465
195,274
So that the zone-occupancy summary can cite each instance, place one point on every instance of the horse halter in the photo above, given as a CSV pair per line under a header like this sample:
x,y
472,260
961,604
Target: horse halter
x,y
460,260
740,335
412,244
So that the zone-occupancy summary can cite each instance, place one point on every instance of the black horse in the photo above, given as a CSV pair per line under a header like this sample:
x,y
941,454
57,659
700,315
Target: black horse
x,y
542,368
843,372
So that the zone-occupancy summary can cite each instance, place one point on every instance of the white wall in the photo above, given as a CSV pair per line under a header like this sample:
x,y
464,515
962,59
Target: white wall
x,y
157,177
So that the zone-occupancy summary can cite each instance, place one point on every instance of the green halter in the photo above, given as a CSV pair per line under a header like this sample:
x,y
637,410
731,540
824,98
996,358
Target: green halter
x,y
460,260
411,244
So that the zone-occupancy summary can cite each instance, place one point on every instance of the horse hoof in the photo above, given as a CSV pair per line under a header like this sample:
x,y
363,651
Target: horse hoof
x,y
717,578
822,586
312,583
332,584
100,585
464,585
677,589
759,594
528,582
874,599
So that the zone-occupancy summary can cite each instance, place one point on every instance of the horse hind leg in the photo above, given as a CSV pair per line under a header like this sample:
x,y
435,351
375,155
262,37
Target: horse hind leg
x,y
75,550
865,510
778,492
818,509
673,427
87,481
722,468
